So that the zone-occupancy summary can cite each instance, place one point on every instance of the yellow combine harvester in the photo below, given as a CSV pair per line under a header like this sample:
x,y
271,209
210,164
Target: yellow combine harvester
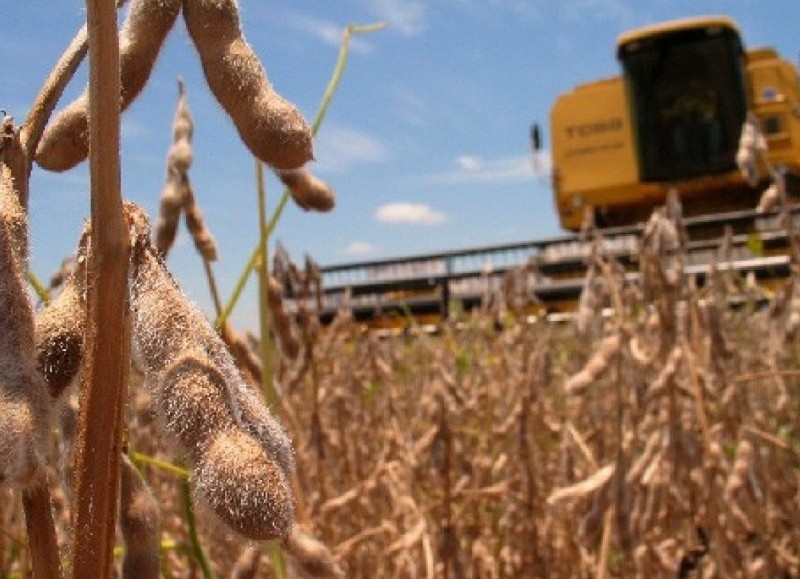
x,y
673,119
692,112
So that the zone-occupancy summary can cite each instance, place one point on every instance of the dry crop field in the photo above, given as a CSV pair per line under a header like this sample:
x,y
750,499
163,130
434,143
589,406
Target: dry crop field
x,y
660,441
655,435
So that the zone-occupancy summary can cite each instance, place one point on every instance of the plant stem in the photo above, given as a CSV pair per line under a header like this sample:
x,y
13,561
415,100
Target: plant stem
x,y
160,464
98,442
36,501
255,256
327,98
341,61
212,286
276,557
38,287
270,396
194,537
53,88
263,290
42,541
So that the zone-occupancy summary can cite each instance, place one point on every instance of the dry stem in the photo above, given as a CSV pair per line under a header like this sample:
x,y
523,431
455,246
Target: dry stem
x,y
98,443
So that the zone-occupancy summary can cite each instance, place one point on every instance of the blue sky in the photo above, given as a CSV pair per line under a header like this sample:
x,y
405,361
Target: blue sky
x,y
426,142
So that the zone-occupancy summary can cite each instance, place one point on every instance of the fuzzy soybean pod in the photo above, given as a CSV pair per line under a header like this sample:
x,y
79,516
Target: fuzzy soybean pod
x,y
65,142
180,154
14,218
204,241
139,522
308,191
24,404
244,488
179,159
192,400
60,331
270,126
169,213
243,460
197,397
177,194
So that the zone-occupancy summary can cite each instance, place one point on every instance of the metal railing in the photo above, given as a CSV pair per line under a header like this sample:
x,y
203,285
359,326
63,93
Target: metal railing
x,y
428,283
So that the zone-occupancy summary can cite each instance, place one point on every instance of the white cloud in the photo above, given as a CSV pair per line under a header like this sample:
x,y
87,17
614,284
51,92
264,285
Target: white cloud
x,y
469,163
475,169
406,16
360,248
416,213
328,32
338,149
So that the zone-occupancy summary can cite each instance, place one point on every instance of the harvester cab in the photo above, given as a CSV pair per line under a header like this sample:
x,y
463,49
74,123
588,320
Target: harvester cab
x,y
674,119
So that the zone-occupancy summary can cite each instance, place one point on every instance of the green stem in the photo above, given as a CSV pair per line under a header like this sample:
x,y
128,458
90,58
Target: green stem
x,y
276,557
38,287
263,289
327,98
194,537
341,61
161,464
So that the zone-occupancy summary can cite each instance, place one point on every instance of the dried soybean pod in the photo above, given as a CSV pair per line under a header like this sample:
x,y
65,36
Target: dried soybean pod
x,y
180,156
177,194
24,404
195,384
169,213
313,556
308,191
595,367
162,323
242,457
65,142
179,159
270,126
196,224
737,477
255,419
139,521
280,319
244,487
192,400
165,323
14,218
60,330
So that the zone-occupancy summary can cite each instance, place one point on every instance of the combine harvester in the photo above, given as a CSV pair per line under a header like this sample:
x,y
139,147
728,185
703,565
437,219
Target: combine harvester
x,y
693,112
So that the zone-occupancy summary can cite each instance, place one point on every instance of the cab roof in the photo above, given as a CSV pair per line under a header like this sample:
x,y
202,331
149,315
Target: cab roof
x,y
680,25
